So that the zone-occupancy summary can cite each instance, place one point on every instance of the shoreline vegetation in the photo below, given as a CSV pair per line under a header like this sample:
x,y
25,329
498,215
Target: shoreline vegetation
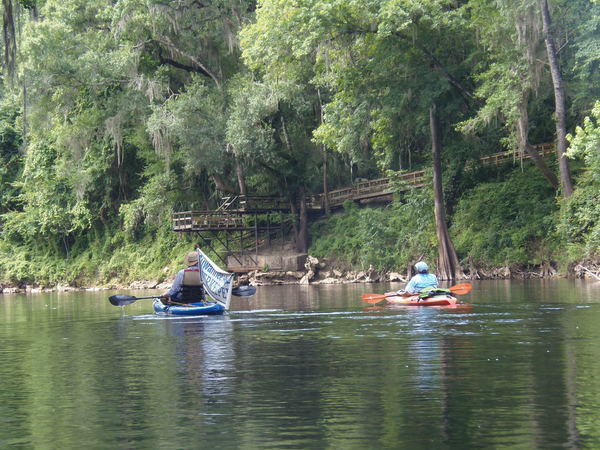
x,y
115,116
319,272
507,227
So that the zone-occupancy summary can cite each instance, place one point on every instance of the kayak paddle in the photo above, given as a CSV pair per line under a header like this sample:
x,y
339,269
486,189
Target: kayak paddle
x,y
122,300
376,298
461,289
458,289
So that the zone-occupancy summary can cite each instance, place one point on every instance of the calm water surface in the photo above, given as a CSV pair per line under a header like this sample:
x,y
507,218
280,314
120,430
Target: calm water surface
x,y
305,367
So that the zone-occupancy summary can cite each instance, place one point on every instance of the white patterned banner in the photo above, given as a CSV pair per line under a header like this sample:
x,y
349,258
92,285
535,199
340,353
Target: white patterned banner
x,y
217,282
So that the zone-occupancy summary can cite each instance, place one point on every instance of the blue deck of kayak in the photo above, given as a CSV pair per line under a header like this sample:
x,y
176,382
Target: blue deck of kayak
x,y
198,309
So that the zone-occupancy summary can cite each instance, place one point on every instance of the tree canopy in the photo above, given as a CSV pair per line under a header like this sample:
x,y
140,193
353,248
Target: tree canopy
x,y
115,114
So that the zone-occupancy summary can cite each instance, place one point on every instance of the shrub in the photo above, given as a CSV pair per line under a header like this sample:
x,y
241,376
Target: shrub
x,y
506,222
387,238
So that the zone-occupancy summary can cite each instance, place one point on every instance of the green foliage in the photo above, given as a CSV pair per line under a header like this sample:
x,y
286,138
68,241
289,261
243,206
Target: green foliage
x,y
51,208
580,223
120,112
153,206
580,214
586,142
357,237
373,59
508,222
386,238
249,129
583,18
194,123
107,258
11,162
269,127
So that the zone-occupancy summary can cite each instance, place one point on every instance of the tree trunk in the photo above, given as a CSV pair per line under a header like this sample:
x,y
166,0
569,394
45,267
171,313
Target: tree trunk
x,y
25,114
302,236
325,184
295,221
522,136
300,222
222,185
448,266
239,170
559,99
541,164
10,38
299,211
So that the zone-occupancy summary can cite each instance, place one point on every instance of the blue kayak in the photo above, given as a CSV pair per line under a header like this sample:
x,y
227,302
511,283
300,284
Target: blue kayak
x,y
198,308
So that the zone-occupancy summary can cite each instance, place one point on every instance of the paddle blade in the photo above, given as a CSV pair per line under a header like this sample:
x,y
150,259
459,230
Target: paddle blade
x,y
121,300
244,291
372,298
461,289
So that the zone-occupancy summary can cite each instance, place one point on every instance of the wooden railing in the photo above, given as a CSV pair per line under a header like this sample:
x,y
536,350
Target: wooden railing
x,y
203,220
499,158
253,203
363,190
230,214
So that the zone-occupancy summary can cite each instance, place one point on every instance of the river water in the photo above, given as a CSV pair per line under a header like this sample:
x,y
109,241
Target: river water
x,y
305,367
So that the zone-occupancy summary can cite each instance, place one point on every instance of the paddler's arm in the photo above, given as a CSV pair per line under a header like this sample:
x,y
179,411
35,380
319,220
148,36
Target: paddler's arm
x,y
175,287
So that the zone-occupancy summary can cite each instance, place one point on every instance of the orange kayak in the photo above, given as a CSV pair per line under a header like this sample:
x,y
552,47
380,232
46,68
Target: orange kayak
x,y
414,300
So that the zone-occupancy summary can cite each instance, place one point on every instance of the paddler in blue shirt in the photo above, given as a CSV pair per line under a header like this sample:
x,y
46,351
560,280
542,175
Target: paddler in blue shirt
x,y
421,280
187,286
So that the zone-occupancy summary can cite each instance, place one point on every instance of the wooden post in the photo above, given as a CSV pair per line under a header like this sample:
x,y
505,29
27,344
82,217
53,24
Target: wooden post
x,y
256,237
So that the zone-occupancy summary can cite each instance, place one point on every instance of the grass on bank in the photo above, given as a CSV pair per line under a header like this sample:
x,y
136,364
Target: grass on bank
x,y
106,260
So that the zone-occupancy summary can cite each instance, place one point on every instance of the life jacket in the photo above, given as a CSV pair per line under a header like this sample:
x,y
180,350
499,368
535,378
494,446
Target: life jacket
x,y
420,282
192,288
432,291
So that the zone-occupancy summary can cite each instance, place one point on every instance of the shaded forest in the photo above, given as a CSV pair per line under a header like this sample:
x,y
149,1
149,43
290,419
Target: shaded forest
x,y
114,114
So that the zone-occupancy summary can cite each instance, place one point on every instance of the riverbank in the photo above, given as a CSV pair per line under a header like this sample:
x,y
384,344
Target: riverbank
x,y
320,272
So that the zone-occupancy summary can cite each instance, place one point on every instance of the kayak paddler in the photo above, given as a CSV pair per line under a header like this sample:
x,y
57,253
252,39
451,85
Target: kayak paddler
x,y
422,280
187,286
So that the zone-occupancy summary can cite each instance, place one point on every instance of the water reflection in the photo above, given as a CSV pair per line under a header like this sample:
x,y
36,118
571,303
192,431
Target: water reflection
x,y
305,368
205,354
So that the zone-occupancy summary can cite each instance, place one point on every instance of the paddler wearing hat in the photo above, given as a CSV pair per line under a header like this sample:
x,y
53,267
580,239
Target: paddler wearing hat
x,y
187,286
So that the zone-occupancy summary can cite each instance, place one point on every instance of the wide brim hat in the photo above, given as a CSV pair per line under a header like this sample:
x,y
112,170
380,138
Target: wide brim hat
x,y
191,259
